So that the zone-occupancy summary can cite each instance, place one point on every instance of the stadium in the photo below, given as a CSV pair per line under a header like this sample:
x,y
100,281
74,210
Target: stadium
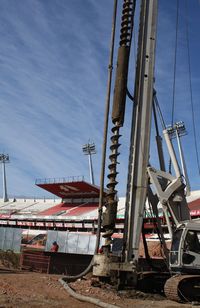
x,y
74,209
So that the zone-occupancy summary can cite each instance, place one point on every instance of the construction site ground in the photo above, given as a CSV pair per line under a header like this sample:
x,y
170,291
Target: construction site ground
x,y
30,289
20,288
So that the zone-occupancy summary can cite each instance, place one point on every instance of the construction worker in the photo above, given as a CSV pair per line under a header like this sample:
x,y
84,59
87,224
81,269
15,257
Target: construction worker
x,y
54,247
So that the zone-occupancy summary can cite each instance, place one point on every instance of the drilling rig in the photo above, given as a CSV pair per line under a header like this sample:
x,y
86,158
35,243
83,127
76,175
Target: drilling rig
x,y
182,262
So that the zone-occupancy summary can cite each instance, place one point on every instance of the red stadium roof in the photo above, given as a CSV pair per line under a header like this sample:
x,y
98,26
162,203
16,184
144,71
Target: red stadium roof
x,y
194,207
79,189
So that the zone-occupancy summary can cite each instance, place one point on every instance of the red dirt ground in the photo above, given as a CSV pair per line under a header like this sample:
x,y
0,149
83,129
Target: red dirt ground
x,y
25,289
21,289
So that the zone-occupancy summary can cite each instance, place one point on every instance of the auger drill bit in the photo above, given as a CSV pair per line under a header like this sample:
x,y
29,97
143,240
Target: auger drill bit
x,y
118,110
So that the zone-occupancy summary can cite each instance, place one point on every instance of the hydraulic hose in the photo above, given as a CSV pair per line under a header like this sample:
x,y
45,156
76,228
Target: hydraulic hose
x,y
107,108
85,298
118,112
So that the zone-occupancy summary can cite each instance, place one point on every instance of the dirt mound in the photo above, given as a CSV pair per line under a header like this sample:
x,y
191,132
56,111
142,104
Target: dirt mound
x,y
154,248
9,259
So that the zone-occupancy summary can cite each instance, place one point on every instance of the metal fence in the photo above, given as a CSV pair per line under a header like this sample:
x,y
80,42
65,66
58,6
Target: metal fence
x,y
10,238
72,242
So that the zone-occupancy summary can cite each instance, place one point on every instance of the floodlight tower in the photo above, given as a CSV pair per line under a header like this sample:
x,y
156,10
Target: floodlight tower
x,y
89,149
176,131
4,158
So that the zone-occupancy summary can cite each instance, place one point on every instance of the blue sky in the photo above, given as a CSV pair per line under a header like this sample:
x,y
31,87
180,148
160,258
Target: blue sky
x,y
53,63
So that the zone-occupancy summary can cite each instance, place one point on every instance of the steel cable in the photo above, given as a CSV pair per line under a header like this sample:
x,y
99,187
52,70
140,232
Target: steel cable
x,y
174,78
175,60
190,87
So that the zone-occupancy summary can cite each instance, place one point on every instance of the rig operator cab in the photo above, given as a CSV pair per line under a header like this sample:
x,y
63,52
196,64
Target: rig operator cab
x,y
185,248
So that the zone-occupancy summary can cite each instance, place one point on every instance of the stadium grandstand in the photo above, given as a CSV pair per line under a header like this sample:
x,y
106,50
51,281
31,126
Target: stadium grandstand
x,y
75,208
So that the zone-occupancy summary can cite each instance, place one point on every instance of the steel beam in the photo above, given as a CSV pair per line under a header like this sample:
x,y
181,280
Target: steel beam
x,y
141,127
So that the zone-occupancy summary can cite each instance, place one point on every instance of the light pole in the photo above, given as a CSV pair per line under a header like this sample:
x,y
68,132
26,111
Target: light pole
x,y
4,158
176,131
89,149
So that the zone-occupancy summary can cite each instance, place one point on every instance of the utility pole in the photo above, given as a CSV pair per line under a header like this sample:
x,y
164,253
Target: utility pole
x,y
89,149
4,158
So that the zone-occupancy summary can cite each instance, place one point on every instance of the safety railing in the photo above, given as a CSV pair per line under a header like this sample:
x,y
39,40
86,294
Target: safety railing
x,y
78,178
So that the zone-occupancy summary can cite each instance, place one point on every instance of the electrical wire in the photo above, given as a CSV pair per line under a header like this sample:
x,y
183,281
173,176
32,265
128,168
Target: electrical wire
x,y
190,87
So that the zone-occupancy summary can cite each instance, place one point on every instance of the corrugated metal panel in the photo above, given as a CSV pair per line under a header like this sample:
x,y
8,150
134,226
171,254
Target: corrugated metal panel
x,y
72,242
10,238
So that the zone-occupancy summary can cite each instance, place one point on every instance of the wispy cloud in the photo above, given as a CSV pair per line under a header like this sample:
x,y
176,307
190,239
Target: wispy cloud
x,y
53,62
52,87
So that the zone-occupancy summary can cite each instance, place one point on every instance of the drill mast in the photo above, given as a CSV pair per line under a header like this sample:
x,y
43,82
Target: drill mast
x,y
141,124
141,128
